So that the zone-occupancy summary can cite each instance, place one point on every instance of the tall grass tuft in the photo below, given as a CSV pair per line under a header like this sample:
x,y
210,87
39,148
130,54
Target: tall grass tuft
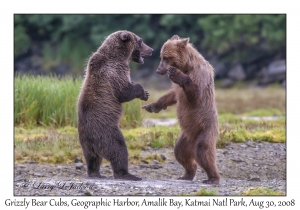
x,y
52,101
46,100
132,114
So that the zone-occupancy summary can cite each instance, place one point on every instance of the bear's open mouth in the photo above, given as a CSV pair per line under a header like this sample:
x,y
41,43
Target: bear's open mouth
x,y
138,56
142,55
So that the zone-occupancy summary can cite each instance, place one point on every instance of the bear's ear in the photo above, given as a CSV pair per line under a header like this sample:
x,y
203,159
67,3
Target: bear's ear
x,y
175,37
183,42
124,36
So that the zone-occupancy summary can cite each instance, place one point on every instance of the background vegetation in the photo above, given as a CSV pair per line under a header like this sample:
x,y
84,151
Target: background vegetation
x,y
70,39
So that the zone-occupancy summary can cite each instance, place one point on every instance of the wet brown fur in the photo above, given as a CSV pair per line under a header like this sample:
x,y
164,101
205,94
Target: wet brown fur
x,y
193,93
106,86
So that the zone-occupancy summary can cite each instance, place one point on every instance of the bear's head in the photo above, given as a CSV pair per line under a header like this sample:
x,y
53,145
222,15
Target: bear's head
x,y
173,53
128,45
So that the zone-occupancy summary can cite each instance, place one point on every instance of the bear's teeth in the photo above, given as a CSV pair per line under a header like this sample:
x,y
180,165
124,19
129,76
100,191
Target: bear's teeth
x,y
141,59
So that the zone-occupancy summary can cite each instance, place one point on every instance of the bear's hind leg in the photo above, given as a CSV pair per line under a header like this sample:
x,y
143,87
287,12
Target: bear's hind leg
x,y
117,155
184,154
93,165
206,158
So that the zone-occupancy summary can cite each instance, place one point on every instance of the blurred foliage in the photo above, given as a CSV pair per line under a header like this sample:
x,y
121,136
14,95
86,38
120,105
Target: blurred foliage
x,y
21,40
70,39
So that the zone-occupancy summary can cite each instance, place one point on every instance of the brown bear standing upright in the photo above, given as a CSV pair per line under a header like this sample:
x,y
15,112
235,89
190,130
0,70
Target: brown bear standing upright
x,y
106,86
193,93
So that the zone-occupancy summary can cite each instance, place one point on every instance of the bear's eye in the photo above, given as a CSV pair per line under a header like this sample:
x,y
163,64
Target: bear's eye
x,y
165,58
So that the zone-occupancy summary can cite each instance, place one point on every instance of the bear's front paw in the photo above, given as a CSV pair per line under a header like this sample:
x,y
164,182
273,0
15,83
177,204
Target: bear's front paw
x,y
145,96
152,108
174,74
147,108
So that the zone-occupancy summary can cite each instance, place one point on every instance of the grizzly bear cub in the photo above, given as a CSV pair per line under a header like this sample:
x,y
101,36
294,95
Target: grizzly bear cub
x,y
193,94
106,86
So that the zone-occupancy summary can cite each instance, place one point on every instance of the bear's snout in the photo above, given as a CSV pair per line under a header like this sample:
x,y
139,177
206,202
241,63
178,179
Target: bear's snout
x,y
161,72
147,52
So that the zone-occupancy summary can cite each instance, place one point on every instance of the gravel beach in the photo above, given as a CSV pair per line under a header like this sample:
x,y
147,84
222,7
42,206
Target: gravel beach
x,y
242,166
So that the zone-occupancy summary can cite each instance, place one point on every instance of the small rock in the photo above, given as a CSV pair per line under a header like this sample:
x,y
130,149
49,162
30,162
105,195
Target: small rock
x,y
87,193
20,180
155,161
79,165
237,160
78,160
250,143
254,178
143,166
163,157
32,162
38,174
145,161
156,166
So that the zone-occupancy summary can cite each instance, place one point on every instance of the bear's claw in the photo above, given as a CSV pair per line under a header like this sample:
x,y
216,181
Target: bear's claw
x,y
174,74
145,96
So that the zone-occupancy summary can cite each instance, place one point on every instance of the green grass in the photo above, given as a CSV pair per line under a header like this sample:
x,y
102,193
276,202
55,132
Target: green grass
x,y
46,145
61,145
50,101
261,191
132,114
136,158
45,101
154,156
155,137
204,192
235,129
